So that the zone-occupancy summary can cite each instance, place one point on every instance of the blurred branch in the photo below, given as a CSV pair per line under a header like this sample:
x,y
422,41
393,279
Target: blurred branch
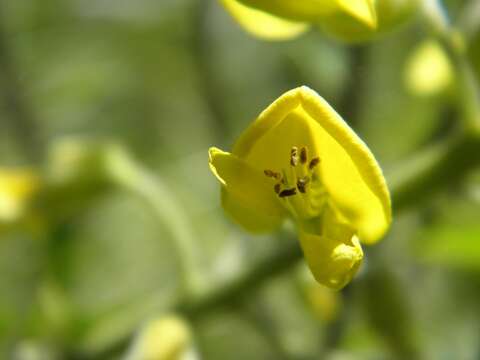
x,y
242,285
353,90
19,117
335,329
126,173
437,167
454,45
389,312
205,75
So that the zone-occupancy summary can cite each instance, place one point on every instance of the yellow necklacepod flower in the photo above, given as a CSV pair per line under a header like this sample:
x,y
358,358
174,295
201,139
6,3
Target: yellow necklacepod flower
x,y
284,19
17,188
168,337
348,20
300,160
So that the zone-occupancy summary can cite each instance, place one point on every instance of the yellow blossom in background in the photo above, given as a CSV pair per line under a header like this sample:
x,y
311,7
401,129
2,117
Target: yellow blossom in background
x,y
300,160
263,24
428,70
389,15
285,19
17,187
348,20
165,338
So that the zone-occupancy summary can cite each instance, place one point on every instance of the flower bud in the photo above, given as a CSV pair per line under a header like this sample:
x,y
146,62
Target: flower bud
x,y
390,14
166,338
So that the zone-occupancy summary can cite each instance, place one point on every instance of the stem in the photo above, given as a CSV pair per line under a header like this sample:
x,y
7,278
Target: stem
x,y
454,46
19,117
205,73
351,99
168,211
242,285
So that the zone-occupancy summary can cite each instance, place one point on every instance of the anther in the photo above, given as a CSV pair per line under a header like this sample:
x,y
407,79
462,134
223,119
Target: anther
x,y
294,156
272,174
303,155
287,192
314,162
276,188
302,183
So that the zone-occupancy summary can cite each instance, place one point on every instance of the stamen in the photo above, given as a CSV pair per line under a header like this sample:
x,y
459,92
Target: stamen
x,y
277,188
314,162
302,183
287,192
303,155
272,174
294,156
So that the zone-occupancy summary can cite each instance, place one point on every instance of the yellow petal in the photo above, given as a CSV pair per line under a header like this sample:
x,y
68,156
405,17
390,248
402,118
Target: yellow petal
x,y
333,261
247,194
349,172
362,10
262,24
298,10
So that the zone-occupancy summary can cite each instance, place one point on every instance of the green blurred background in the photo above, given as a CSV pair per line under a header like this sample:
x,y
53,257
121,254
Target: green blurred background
x,y
113,105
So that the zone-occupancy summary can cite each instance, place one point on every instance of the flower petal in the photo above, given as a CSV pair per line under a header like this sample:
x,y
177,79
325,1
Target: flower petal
x,y
262,24
350,173
362,10
247,194
304,10
333,253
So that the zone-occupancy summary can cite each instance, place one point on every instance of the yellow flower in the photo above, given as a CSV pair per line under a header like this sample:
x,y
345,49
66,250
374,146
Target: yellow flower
x,y
17,187
428,70
389,15
285,19
300,160
165,338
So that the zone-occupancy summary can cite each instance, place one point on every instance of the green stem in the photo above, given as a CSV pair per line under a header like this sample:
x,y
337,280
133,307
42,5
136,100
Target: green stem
x,y
19,117
167,210
454,45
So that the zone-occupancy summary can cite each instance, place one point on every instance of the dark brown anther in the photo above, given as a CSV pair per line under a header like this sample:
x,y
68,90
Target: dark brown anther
x,y
277,188
302,184
272,174
314,162
294,156
303,155
287,192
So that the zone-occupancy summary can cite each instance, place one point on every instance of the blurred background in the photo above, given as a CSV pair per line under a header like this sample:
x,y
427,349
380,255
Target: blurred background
x,y
110,218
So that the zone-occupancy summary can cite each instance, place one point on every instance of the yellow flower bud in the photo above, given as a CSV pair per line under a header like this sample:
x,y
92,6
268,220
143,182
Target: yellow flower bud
x,y
17,187
166,338
428,70
285,19
389,14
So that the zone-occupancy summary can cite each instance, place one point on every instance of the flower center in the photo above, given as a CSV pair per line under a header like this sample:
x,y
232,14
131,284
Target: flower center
x,y
299,186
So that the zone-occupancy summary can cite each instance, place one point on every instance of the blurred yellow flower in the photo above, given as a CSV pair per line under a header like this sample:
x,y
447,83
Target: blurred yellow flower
x,y
285,19
165,338
300,160
17,187
428,70
389,15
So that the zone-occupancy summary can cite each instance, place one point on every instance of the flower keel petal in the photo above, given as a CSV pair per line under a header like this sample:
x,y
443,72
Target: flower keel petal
x,y
333,262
